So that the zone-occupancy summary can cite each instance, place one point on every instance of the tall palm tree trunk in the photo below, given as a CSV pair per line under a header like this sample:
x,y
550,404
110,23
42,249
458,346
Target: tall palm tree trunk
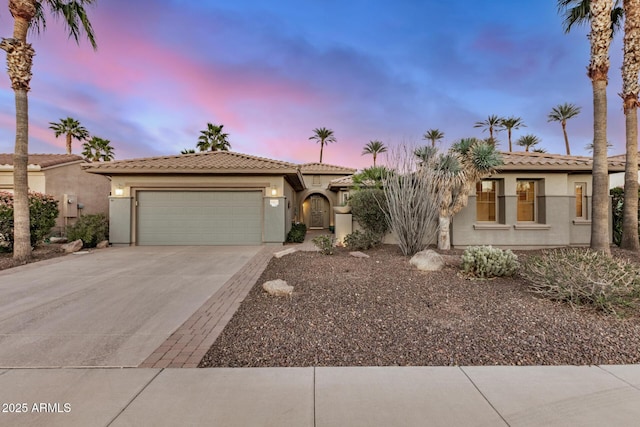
x,y
21,225
321,147
19,61
68,143
600,207
630,210
566,138
600,39
630,90
509,134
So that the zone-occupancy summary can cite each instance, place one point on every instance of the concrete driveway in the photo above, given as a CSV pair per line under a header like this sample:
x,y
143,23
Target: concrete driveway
x,y
109,307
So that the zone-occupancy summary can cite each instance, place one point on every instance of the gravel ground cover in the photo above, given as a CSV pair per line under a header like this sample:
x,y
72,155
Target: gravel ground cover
x,y
40,253
380,311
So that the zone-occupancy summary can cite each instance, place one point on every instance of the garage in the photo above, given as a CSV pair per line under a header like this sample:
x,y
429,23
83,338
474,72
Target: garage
x,y
199,217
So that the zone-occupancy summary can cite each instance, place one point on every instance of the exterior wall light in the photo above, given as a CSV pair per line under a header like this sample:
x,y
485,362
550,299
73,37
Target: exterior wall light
x,y
274,191
119,191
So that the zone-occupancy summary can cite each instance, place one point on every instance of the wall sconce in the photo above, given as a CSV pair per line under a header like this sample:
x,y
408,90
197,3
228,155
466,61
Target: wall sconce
x,y
274,191
119,191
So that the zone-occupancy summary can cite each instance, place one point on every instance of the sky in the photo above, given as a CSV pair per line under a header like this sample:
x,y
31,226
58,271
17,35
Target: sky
x,y
272,72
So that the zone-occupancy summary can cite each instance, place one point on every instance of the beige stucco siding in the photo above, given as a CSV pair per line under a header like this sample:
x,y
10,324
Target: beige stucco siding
x,y
556,222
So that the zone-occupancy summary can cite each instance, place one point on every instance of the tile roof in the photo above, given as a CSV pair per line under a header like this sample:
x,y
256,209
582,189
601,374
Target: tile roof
x,y
521,160
323,168
42,160
205,162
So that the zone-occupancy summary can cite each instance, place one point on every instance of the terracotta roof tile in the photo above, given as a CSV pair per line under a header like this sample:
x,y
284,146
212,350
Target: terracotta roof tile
x,y
210,161
42,160
323,168
543,161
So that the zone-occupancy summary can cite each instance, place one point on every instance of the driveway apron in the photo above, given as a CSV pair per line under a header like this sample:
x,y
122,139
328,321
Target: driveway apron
x,y
110,307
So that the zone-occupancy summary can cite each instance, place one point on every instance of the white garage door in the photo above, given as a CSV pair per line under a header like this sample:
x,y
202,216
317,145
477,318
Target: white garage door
x,y
199,217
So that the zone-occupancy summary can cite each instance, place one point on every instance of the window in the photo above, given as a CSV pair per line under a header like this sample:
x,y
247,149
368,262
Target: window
x,y
526,194
581,194
486,201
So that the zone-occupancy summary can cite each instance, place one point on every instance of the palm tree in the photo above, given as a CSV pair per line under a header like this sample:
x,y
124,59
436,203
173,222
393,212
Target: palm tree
x,y
598,70
562,113
30,14
323,136
433,135
71,128
528,141
98,149
577,12
510,123
630,90
188,151
374,148
493,123
212,138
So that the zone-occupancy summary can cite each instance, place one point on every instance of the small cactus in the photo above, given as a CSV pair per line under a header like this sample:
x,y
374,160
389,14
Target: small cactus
x,y
487,261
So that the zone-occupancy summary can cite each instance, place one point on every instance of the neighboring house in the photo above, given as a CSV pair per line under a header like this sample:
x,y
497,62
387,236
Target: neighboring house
x,y
535,200
215,198
617,179
61,176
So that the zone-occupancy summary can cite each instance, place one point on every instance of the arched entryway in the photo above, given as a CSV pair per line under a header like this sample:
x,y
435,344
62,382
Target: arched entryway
x,y
316,211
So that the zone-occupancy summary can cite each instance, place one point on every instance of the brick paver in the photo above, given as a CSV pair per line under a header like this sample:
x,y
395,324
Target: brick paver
x,y
191,341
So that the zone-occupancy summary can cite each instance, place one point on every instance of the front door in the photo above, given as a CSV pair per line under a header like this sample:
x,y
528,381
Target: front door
x,y
317,212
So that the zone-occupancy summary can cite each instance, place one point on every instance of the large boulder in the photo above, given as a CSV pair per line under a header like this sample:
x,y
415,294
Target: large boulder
x,y
427,260
278,288
74,246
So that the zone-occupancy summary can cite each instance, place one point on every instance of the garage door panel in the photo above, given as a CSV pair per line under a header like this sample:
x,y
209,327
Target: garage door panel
x,y
199,218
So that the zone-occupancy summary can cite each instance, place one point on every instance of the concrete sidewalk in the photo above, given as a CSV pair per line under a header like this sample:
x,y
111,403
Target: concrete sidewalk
x,y
373,396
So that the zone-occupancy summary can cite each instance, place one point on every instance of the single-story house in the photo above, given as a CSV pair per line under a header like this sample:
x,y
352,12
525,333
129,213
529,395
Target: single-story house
x,y
215,198
61,176
535,200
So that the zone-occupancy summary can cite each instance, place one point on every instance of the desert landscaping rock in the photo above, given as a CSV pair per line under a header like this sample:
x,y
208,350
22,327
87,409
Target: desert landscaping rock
x,y
103,244
427,260
358,254
381,311
71,247
278,288
282,253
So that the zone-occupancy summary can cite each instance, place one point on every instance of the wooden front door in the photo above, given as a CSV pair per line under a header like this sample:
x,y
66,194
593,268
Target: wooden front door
x,y
317,212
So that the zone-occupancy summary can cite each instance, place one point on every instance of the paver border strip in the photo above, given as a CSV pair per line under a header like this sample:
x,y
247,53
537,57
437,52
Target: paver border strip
x,y
188,344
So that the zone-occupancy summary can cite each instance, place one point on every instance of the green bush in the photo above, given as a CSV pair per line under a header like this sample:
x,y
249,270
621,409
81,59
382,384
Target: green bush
x,y
487,261
368,207
91,229
297,233
324,242
359,241
583,277
43,211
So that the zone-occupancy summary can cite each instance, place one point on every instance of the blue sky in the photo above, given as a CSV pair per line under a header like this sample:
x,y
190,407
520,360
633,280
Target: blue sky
x,y
271,72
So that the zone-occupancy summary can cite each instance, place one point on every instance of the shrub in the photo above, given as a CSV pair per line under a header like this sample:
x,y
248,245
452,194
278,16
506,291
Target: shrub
x,y
91,229
369,207
297,233
324,242
43,211
487,261
584,277
359,241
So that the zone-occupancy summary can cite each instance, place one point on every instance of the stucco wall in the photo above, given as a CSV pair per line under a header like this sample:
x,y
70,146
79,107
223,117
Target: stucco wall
x,y
91,191
557,224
